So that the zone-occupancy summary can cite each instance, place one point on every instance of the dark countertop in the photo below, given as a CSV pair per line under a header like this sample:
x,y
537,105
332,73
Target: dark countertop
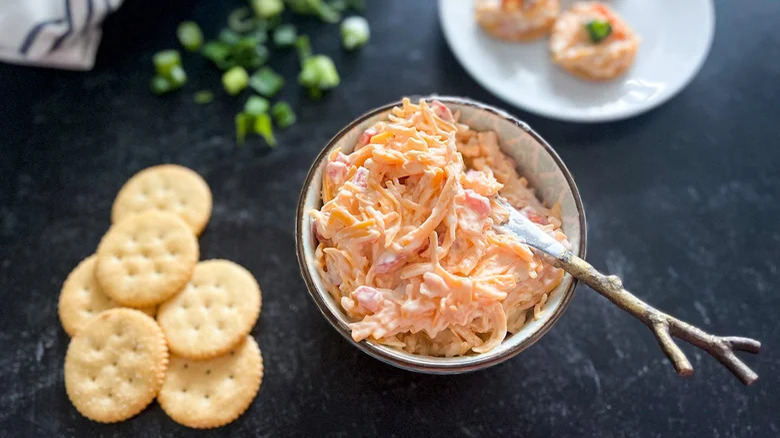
x,y
682,202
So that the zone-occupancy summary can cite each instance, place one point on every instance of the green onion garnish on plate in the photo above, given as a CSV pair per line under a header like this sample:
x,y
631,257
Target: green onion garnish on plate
x,y
598,30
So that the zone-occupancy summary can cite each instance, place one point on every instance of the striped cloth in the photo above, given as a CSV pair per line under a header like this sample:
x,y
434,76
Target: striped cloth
x,y
52,33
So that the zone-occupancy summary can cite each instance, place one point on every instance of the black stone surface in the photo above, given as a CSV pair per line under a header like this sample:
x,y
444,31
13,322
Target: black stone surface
x,y
682,202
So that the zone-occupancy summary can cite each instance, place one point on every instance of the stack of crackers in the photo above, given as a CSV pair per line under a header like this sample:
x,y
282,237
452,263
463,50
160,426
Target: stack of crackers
x,y
146,267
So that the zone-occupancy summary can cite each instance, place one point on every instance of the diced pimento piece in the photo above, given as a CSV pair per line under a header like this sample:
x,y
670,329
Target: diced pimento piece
x,y
368,298
389,262
477,202
361,177
341,158
533,216
334,278
336,171
315,230
441,111
365,137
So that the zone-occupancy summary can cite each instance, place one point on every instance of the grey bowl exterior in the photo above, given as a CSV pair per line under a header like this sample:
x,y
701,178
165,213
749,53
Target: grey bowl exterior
x,y
392,356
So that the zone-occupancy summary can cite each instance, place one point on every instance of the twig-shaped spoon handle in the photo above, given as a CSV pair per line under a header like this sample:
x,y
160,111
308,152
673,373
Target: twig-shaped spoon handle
x,y
664,326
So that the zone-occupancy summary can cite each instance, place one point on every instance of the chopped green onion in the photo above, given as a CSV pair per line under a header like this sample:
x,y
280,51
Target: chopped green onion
x,y
338,5
266,82
190,35
229,37
303,47
256,105
354,32
285,35
273,22
315,7
343,5
314,93
248,53
283,114
235,80
327,14
598,30
203,97
319,72
242,20
165,60
267,8
260,34
160,85
243,125
263,127
357,5
177,76
217,52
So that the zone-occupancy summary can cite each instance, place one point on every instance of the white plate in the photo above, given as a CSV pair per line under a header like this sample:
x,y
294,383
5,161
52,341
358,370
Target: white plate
x,y
675,38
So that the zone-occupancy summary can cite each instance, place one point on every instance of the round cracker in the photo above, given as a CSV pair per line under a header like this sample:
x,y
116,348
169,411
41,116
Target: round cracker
x,y
82,298
115,365
168,187
146,258
209,393
214,312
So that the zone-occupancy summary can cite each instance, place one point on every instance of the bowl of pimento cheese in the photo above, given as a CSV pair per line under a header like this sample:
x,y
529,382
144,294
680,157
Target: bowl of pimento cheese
x,y
395,237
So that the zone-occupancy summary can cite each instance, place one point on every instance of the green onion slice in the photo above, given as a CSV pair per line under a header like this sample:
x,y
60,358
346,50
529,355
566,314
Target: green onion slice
x,y
263,127
267,8
160,85
285,35
235,80
243,125
283,114
354,32
242,20
598,30
177,76
266,82
203,97
256,105
190,35
303,47
166,60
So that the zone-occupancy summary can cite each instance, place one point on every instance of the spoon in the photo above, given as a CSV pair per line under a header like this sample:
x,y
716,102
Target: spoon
x,y
664,326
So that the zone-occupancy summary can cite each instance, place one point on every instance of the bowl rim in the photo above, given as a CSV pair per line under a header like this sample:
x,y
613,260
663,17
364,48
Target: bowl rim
x,y
420,363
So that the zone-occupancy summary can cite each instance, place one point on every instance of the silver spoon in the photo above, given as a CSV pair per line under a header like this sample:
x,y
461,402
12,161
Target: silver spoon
x,y
664,326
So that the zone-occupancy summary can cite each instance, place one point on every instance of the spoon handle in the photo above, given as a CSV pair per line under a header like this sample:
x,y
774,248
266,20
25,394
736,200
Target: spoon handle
x,y
665,326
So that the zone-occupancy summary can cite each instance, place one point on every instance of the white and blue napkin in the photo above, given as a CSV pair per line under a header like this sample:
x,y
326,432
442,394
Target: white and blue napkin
x,y
52,33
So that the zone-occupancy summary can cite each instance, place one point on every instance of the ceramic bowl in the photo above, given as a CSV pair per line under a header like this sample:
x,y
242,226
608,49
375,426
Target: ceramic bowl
x,y
536,160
